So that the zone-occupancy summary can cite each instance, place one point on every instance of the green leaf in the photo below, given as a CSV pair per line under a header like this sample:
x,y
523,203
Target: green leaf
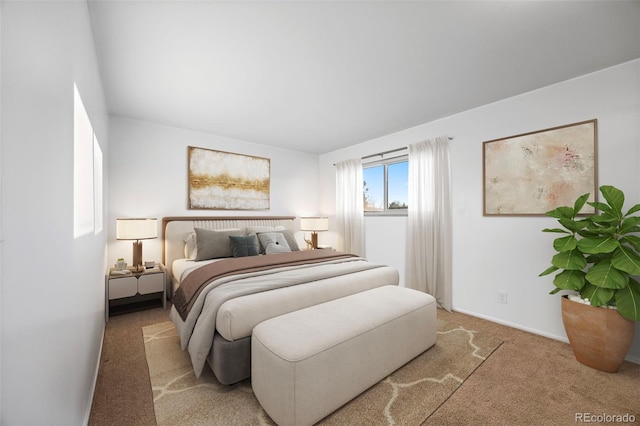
x,y
629,224
600,206
628,301
547,271
569,280
603,218
580,202
633,209
598,296
600,230
583,223
573,225
563,212
571,260
605,275
558,230
614,197
597,258
627,260
633,240
587,233
555,290
595,245
565,243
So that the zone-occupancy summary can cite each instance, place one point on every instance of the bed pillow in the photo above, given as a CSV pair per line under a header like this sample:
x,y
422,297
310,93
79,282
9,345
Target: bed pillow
x,y
190,249
273,242
255,230
291,240
214,244
244,246
288,236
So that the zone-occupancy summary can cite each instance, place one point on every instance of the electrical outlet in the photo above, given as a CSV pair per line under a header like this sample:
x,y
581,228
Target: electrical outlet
x,y
502,296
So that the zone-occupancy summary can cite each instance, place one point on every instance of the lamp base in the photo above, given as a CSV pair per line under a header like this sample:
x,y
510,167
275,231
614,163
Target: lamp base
x,y
137,256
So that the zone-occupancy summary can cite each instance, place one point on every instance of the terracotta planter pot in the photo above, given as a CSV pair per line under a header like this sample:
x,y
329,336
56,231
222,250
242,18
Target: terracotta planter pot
x,y
600,338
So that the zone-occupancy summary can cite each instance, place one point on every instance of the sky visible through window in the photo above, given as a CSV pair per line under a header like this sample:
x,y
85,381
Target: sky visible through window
x,y
398,184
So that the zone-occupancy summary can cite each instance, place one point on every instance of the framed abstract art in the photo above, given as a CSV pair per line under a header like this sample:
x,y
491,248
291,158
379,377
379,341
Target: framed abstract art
x,y
221,180
532,173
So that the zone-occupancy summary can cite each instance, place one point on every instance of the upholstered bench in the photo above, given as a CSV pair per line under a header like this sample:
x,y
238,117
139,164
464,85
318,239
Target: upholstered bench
x,y
307,363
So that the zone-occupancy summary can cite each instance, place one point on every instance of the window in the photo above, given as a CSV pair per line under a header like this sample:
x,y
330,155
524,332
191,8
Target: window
x,y
97,186
87,173
83,186
386,187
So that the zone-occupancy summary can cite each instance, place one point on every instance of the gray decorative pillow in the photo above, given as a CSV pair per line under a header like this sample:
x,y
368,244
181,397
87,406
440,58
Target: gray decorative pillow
x,y
214,244
291,240
288,236
273,242
244,246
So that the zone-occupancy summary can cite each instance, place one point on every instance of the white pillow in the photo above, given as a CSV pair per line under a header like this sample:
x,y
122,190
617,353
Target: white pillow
x,y
190,246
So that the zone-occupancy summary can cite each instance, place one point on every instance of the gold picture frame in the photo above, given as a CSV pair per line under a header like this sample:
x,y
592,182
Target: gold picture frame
x,y
220,180
532,173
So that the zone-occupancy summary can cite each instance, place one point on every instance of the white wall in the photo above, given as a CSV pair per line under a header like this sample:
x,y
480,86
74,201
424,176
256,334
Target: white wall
x,y
52,284
508,253
148,178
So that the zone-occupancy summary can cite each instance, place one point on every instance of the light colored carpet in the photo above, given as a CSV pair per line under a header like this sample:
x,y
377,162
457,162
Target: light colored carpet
x,y
408,396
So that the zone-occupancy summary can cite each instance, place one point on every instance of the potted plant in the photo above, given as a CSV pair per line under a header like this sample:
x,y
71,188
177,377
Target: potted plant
x,y
598,257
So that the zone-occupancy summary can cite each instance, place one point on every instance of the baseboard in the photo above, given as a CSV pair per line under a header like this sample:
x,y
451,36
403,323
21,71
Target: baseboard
x,y
633,359
87,413
629,358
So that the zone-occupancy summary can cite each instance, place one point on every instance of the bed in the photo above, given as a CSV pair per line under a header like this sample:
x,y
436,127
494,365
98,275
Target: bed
x,y
228,274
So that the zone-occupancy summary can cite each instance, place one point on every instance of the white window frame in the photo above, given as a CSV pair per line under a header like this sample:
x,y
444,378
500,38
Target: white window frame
x,y
87,173
386,162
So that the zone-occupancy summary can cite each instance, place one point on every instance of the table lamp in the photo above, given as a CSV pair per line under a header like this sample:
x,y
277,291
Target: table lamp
x,y
137,229
314,224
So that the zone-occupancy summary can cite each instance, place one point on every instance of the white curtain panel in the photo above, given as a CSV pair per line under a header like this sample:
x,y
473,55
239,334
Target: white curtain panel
x,y
428,261
349,207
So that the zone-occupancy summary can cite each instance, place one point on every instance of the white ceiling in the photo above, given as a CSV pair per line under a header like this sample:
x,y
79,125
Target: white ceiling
x,y
316,76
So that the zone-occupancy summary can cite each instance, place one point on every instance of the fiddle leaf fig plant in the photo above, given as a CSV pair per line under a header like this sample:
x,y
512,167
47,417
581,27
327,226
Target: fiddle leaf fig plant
x,y
599,255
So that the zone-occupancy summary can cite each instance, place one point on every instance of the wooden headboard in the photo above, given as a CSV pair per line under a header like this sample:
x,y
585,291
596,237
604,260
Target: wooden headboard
x,y
175,228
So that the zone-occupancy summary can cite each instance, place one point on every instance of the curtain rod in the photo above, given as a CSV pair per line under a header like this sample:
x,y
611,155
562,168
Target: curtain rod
x,y
388,152
381,154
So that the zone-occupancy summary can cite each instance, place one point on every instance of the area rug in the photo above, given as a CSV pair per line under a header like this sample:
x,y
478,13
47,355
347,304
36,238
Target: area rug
x,y
407,397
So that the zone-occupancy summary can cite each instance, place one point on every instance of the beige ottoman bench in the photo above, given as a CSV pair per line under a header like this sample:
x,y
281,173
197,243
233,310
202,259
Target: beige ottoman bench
x,y
307,363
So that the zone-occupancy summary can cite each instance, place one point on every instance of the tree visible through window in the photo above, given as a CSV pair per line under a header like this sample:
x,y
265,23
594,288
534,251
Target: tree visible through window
x,y
386,186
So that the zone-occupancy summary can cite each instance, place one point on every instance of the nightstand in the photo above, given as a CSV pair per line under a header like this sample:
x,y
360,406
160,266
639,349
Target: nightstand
x,y
132,291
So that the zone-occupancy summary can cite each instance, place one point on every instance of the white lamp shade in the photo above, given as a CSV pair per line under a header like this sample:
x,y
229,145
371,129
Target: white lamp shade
x,y
314,224
136,229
